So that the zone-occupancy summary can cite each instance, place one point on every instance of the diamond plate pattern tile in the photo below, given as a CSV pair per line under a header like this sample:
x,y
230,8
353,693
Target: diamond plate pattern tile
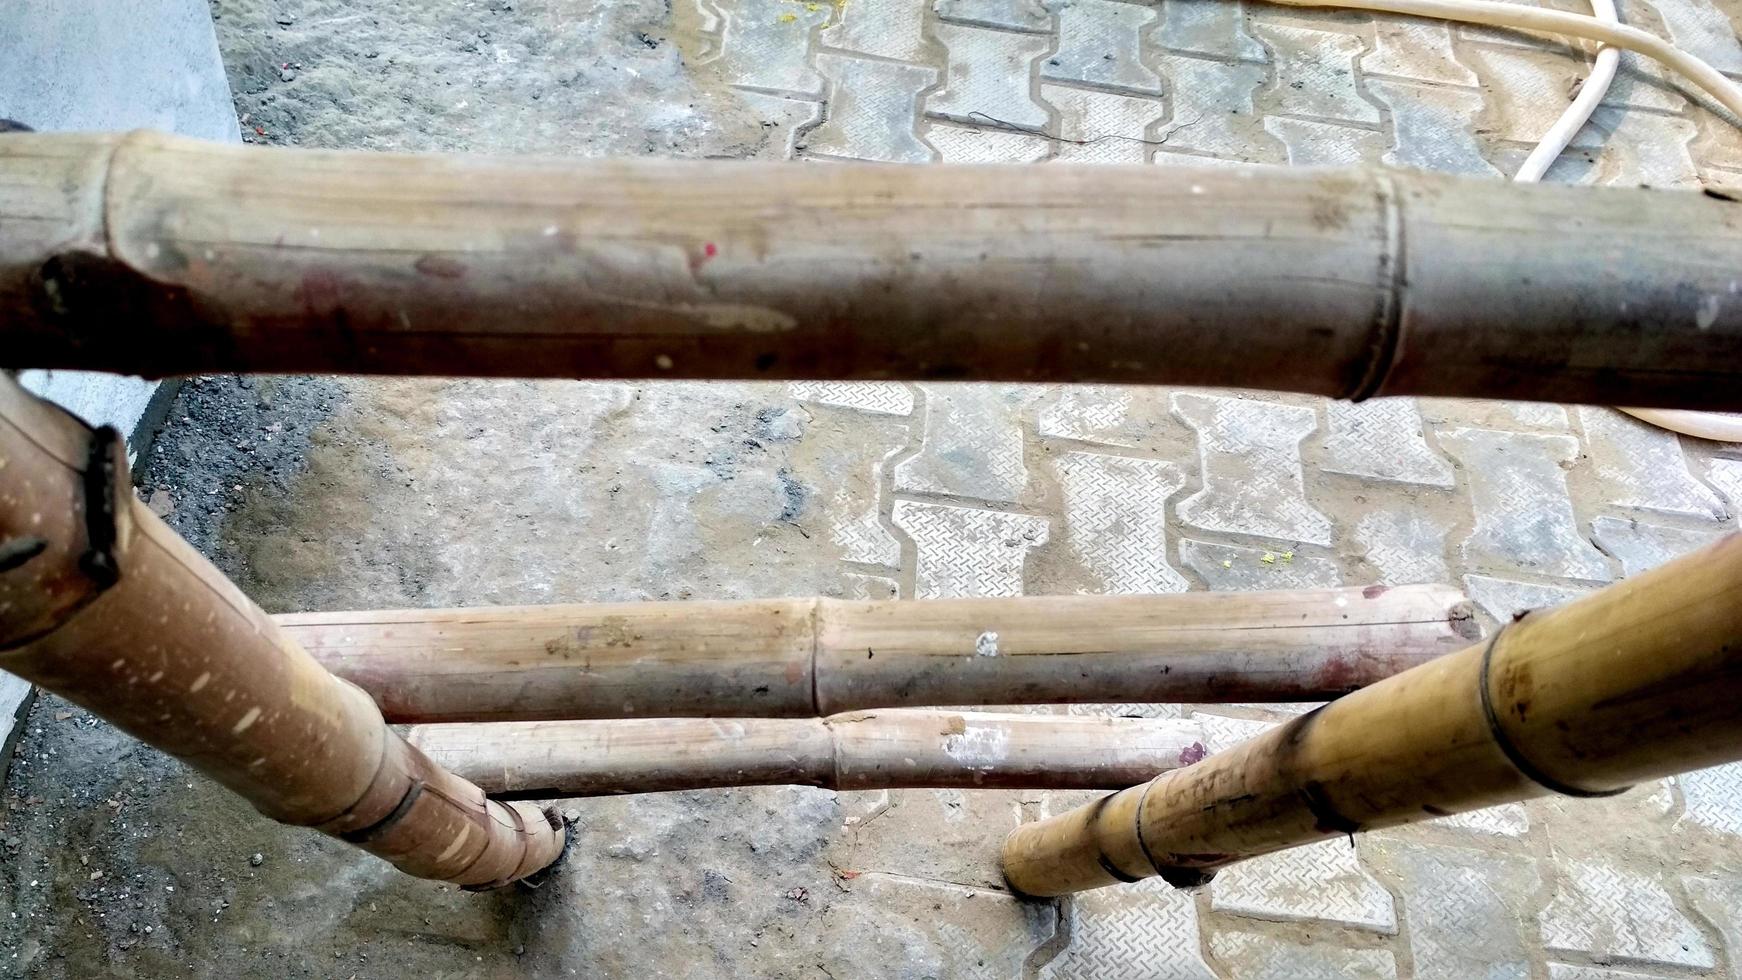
x,y
1404,546
1382,439
891,29
1225,568
1645,148
1251,956
1317,882
842,462
1504,598
963,144
1116,520
1527,88
881,397
1719,901
1416,50
1015,15
1315,74
967,552
972,445
1506,820
1642,466
1098,46
1213,111
1213,28
1099,116
1149,929
856,585
1465,910
987,75
1714,798
1700,28
1726,475
1249,452
1640,546
1567,971
873,106
1318,144
972,933
782,119
766,45
1615,914
1090,413
1524,517
1432,127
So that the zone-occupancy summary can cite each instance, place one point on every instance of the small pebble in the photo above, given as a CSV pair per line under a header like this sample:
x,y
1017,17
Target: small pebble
x,y
287,75
257,859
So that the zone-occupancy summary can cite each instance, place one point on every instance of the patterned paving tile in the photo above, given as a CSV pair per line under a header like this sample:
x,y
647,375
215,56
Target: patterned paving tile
x,y
1382,439
1701,29
968,552
1528,88
1465,910
1102,118
987,77
1432,127
1315,74
1250,455
782,118
881,397
1222,733
1213,111
1405,546
1714,798
1090,413
1015,15
857,585
1213,28
1726,475
1640,546
766,45
1504,598
964,144
1417,50
1567,971
1098,46
888,28
1645,148
1116,520
1225,568
1506,820
873,106
1251,956
1524,518
1309,143
972,446
1149,929
1719,901
1616,914
1642,466
841,461
1321,881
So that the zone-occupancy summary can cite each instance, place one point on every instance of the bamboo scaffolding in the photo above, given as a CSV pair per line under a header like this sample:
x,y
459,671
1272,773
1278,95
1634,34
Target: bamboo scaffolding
x,y
156,255
859,750
1634,682
809,657
104,605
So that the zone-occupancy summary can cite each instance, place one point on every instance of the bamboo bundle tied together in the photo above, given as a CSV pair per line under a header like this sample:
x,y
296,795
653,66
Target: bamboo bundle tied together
x,y
104,605
1631,683
801,658
151,254
901,748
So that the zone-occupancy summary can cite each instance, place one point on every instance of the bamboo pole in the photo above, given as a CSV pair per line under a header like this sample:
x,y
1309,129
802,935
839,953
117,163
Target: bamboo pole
x,y
810,657
854,751
1634,682
104,605
156,255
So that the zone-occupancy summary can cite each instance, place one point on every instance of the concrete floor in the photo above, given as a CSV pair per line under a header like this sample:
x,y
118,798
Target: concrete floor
x,y
323,494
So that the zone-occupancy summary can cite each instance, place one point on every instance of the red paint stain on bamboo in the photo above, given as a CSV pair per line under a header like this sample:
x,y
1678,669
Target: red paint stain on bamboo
x,y
1192,754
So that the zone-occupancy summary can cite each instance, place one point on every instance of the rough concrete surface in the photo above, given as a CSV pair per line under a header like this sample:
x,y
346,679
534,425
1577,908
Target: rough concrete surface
x,y
328,494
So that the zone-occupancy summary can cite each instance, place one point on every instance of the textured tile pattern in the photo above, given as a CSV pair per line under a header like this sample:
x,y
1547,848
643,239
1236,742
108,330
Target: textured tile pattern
x,y
972,445
1145,930
1250,454
1322,881
1382,439
882,397
1464,911
1609,913
968,552
1098,46
1640,546
1116,520
872,109
1252,956
1403,546
1714,798
1642,466
1226,568
1524,517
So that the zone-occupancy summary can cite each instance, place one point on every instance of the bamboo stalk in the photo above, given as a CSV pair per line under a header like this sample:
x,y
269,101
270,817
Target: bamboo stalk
x,y
156,255
855,751
104,605
1637,681
809,657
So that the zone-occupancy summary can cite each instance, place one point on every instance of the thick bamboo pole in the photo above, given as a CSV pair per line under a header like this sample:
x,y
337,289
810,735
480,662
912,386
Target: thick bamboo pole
x,y
1634,682
810,657
104,605
155,255
859,750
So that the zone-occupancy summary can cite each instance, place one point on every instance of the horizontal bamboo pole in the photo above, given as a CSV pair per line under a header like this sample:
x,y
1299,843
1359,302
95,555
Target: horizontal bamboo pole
x,y
854,751
1637,681
810,657
104,605
158,255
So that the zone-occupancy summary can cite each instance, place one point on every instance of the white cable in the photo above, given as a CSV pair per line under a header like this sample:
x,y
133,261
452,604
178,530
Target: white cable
x,y
1716,426
1576,115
